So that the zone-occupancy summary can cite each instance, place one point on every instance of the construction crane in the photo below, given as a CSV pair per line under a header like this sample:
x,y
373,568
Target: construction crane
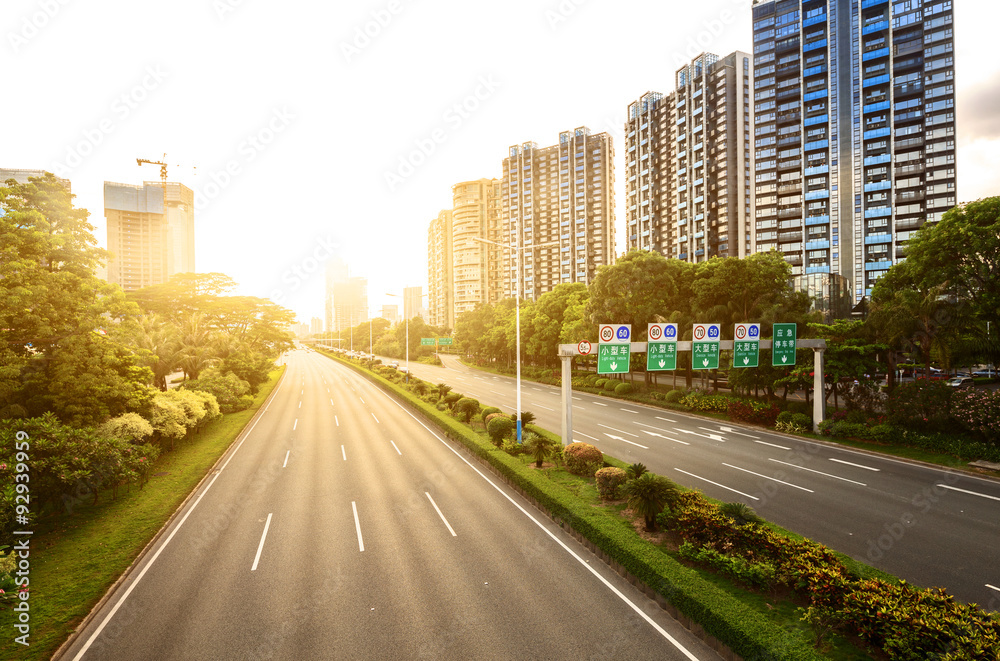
x,y
163,173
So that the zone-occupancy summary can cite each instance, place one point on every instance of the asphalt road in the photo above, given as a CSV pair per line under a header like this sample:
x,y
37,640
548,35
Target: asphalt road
x,y
340,527
933,527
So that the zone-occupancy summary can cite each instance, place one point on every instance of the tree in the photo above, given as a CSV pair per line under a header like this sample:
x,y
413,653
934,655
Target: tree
x,y
539,447
231,393
648,494
543,326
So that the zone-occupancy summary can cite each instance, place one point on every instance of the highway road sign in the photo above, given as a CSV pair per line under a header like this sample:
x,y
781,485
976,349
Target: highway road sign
x,y
615,333
584,347
444,341
746,345
661,349
783,349
613,358
427,341
705,346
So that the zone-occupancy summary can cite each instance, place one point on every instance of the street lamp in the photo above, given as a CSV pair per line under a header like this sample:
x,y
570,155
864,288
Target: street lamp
x,y
517,312
407,322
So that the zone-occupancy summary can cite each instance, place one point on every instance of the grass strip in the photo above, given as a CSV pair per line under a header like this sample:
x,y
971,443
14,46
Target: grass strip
x,y
76,558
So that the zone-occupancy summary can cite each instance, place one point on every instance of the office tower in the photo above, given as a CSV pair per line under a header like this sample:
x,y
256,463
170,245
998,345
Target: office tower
x,y
413,303
475,264
689,162
21,176
855,132
315,326
440,284
390,313
563,194
150,238
346,297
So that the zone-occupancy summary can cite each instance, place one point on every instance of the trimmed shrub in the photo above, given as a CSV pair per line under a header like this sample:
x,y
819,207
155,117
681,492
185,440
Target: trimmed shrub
x,y
758,575
465,408
608,480
803,420
707,403
920,406
623,388
798,407
753,412
452,398
512,447
784,416
499,428
849,430
657,396
610,385
599,383
979,412
494,416
489,410
582,459
674,396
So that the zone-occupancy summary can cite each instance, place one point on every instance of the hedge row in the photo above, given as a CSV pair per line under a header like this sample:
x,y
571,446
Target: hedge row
x,y
744,631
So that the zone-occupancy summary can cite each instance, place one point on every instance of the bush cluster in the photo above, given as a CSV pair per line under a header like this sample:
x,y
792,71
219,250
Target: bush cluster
x,y
674,397
706,403
582,459
623,389
608,481
753,412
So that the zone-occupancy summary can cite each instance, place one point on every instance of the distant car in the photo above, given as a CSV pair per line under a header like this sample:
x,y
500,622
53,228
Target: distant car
x,y
394,365
991,373
961,382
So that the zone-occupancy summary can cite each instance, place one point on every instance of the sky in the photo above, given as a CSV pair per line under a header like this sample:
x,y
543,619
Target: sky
x,y
310,130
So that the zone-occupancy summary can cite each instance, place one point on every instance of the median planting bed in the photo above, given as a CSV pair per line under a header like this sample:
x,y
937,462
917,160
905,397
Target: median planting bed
x,y
760,591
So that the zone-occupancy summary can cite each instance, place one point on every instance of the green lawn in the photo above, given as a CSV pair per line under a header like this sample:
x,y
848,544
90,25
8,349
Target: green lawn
x,y
77,557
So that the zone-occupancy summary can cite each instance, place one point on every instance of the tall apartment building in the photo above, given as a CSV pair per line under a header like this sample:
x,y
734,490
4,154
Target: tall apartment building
x,y
563,194
150,238
390,313
22,176
346,297
413,303
688,164
855,131
440,282
475,264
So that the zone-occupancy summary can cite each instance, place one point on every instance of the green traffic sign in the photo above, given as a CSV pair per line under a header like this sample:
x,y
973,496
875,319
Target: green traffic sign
x,y
783,349
613,358
746,345
705,347
444,341
427,341
661,356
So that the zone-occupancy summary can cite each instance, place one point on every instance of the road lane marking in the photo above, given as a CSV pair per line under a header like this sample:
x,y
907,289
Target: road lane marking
x,y
296,424
539,406
362,399
583,563
836,477
496,392
971,493
438,510
534,388
300,403
666,419
376,418
579,399
653,433
733,431
773,479
331,403
286,459
343,452
397,449
357,526
260,547
993,587
711,437
627,410
717,484
618,430
580,433
579,407
773,445
652,427
625,440
337,420
599,403
867,468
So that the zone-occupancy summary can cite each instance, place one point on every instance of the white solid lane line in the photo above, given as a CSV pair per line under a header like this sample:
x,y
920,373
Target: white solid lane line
x,y
971,493
867,468
773,479
438,510
343,452
397,449
618,430
376,418
625,440
716,484
773,445
286,459
260,547
836,477
357,525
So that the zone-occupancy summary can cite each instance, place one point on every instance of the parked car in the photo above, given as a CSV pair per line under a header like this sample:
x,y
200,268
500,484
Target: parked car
x,y
961,382
990,372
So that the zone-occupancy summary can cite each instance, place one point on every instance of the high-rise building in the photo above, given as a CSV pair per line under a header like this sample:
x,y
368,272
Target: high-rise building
x,y
854,128
413,303
315,326
346,297
21,176
563,194
149,238
440,283
689,160
390,313
475,264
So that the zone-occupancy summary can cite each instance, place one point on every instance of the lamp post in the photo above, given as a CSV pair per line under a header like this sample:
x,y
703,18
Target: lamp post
x,y
407,322
517,314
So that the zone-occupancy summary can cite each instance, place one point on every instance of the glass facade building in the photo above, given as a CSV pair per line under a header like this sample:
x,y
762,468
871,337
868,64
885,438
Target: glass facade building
x,y
854,130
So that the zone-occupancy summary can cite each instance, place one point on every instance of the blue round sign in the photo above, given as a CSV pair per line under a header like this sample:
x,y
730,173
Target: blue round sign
x,y
754,331
713,331
670,331
622,332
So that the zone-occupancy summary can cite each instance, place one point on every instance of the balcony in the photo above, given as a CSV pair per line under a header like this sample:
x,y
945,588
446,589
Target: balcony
x,y
905,170
874,26
790,188
910,196
909,143
790,164
790,213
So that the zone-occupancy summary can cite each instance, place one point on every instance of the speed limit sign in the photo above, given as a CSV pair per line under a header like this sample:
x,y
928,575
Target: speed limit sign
x,y
583,348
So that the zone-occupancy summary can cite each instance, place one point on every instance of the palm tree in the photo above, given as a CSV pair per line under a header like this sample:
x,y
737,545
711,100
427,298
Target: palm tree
x,y
648,494
160,339
636,470
443,389
539,447
198,346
